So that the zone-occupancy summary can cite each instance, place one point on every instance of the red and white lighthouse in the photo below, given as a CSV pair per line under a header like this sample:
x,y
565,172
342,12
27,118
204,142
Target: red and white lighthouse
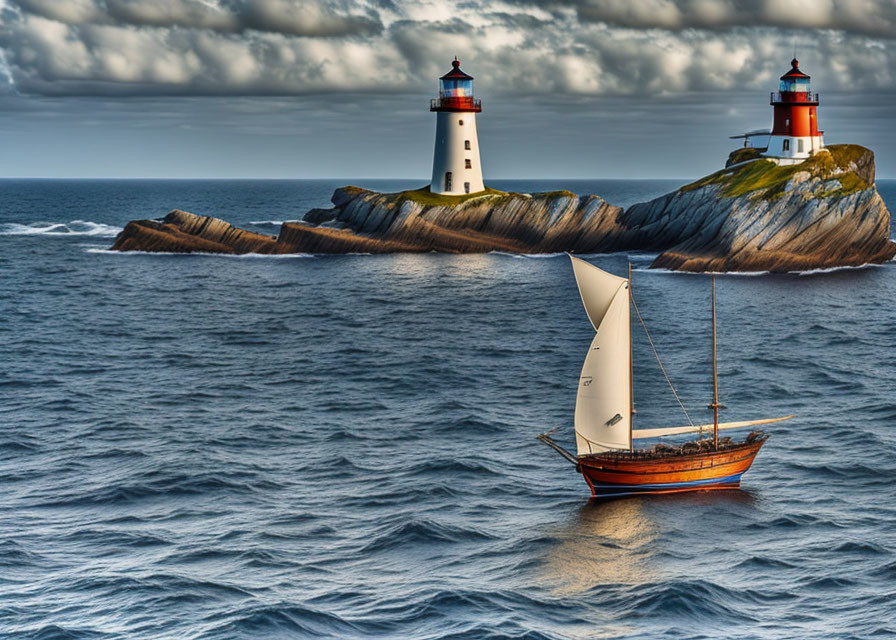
x,y
456,168
795,133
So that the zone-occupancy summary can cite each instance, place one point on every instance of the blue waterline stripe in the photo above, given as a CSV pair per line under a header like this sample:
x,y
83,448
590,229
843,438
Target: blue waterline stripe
x,y
667,485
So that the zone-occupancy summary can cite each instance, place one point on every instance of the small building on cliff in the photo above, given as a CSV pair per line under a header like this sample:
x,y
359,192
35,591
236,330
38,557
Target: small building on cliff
x,y
456,167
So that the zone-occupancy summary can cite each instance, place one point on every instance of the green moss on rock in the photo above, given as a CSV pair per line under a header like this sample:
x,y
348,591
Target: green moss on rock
x,y
846,155
353,190
742,155
767,180
425,197
560,193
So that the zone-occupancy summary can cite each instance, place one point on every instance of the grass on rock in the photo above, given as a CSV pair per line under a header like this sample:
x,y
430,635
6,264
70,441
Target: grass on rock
x,y
426,198
768,180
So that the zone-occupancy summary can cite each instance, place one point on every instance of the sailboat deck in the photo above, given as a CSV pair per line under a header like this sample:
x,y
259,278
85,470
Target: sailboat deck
x,y
692,448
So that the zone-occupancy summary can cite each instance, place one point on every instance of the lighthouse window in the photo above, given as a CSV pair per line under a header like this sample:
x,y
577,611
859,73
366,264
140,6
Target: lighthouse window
x,y
466,187
799,146
447,181
460,122
786,146
467,145
468,164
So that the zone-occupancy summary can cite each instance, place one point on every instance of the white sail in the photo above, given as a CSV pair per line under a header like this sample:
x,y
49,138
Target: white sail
x,y
603,403
597,288
672,431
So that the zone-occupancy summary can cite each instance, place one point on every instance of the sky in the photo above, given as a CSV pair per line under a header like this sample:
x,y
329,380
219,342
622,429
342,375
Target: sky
x,y
341,89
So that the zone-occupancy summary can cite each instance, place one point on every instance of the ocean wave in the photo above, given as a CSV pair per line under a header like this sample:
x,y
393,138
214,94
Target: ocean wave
x,y
861,548
854,472
792,521
763,564
754,274
57,632
168,486
452,467
265,223
508,254
744,274
857,267
422,531
284,621
68,229
14,554
695,599
202,254
543,255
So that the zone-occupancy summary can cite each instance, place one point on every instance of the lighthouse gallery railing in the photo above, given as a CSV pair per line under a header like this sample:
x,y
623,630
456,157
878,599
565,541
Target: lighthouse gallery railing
x,y
810,97
454,103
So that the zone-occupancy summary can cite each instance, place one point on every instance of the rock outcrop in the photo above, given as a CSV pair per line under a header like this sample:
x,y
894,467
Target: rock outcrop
x,y
758,216
182,232
754,215
368,222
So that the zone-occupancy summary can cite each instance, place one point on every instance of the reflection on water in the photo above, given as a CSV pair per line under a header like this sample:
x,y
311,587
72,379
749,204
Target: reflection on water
x,y
422,266
616,542
697,499
603,543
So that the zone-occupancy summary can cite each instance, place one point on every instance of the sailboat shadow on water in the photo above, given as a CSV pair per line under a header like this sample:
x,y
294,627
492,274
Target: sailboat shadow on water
x,y
606,458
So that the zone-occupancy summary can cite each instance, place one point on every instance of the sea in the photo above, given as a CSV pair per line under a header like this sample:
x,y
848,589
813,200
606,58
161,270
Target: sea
x,y
302,446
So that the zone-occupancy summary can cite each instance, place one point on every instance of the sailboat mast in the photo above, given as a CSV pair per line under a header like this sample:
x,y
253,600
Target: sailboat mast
x,y
631,367
715,373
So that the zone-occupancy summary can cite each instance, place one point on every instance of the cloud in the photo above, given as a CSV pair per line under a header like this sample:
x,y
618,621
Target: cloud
x,y
304,19
66,11
312,18
532,48
52,58
171,13
863,17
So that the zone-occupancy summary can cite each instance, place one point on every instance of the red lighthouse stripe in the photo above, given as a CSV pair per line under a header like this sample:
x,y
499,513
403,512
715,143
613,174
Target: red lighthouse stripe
x,y
795,121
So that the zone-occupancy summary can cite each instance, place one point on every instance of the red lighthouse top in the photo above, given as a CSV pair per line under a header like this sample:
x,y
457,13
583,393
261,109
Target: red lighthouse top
x,y
794,71
456,92
794,88
455,72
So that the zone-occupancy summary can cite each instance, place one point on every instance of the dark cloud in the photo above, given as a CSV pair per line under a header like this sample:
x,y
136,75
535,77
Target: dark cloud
x,y
644,48
303,19
865,17
310,18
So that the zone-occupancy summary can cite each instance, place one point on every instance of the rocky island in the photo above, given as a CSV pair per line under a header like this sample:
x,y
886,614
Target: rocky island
x,y
753,215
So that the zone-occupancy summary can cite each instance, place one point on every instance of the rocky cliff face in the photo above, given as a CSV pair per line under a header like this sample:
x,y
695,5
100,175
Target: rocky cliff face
x,y
751,216
367,222
758,216
494,220
182,232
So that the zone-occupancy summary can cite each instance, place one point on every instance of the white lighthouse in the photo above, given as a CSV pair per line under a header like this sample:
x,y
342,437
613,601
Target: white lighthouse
x,y
456,168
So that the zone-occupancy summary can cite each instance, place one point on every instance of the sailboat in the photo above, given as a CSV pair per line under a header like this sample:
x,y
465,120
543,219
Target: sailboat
x,y
604,413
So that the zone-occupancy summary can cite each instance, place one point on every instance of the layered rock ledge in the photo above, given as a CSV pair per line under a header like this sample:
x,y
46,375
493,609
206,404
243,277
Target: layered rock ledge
x,y
755,215
751,216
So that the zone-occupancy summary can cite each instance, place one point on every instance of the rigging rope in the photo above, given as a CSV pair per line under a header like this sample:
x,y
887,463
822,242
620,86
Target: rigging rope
x,y
660,362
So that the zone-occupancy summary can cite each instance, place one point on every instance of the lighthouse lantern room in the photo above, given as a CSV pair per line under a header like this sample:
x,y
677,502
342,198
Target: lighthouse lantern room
x,y
456,168
795,133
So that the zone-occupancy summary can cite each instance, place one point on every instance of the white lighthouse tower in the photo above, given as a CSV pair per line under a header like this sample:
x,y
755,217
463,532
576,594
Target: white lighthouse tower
x,y
456,168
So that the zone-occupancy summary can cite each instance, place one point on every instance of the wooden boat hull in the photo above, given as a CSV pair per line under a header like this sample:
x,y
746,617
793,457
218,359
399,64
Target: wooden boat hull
x,y
625,474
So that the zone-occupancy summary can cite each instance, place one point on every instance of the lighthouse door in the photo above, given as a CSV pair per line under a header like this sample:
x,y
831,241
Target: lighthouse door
x,y
447,181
